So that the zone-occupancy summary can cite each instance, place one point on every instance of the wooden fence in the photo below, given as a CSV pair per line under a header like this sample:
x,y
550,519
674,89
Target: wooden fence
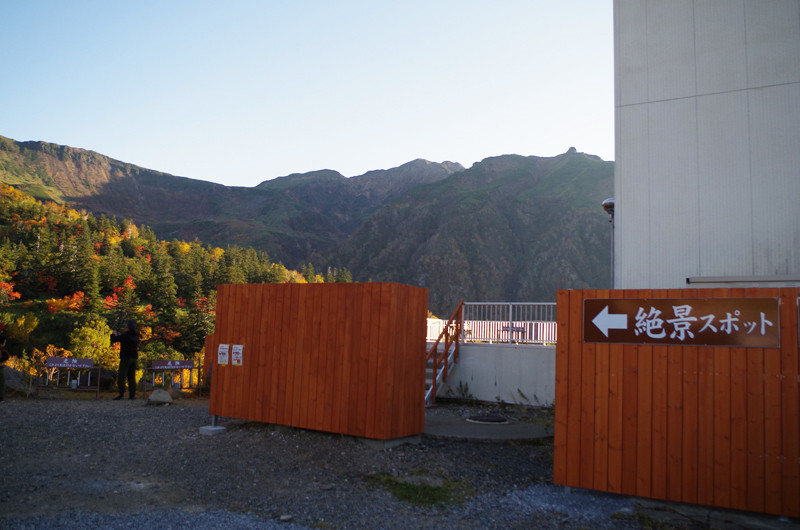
x,y
343,358
708,425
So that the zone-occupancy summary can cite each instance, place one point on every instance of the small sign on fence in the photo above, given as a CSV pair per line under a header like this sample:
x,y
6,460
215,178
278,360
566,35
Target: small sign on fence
x,y
236,354
172,365
68,362
222,354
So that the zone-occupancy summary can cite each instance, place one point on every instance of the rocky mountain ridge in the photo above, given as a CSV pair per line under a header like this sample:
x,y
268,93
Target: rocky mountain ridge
x,y
510,228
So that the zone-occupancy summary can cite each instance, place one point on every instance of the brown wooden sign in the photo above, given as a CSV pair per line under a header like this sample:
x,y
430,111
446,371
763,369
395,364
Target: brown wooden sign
x,y
750,322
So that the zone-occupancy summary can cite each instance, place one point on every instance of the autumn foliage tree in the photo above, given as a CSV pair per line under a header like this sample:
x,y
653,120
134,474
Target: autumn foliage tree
x,y
67,278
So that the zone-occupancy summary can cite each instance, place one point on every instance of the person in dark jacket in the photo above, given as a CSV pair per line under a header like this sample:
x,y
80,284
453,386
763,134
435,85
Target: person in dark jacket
x,y
128,355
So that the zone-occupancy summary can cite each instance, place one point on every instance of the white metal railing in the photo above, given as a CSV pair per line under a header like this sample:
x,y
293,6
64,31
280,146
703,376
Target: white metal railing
x,y
519,323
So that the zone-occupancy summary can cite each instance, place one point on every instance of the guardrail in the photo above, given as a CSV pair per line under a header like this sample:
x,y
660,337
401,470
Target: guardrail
x,y
182,374
513,323
69,373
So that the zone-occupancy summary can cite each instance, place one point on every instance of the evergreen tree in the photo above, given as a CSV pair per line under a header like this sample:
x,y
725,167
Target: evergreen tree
x,y
308,272
164,292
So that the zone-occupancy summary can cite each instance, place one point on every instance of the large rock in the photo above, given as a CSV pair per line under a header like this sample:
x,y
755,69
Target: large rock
x,y
159,397
18,382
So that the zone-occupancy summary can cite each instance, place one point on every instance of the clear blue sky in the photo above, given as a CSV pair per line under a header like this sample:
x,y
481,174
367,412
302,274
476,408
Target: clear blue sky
x,y
239,92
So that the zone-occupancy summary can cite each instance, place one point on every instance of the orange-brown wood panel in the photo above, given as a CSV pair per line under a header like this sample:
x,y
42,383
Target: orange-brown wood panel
x,y
372,362
565,328
772,422
415,419
600,413
722,419
574,404
773,494
705,431
398,369
644,422
234,373
738,421
305,348
289,356
346,366
252,357
220,376
301,355
738,488
658,470
407,411
277,300
260,359
790,403
630,417
587,395
307,351
658,473
689,429
722,427
362,348
675,375
713,425
755,430
327,340
263,358
600,478
406,362
615,398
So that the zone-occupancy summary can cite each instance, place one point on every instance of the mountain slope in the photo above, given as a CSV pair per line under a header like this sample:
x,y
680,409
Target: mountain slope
x,y
510,228
291,217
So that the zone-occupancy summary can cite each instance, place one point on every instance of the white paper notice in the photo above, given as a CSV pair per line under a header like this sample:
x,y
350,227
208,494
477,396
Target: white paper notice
x,y
237,354
222,354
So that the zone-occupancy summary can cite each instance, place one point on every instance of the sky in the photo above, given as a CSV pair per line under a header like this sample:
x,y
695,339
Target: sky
x,y
239,92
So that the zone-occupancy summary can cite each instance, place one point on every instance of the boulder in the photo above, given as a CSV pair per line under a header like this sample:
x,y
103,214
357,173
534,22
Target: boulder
x,y
17,382
159,397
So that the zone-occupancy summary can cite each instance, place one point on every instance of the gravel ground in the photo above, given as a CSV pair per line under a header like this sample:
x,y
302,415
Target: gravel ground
x,y
77,463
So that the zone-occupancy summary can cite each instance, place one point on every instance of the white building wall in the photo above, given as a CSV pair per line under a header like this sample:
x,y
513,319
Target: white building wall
x,y
707,140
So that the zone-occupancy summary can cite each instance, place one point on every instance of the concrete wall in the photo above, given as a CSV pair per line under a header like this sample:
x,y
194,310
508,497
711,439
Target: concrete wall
x,y
707,97
504,373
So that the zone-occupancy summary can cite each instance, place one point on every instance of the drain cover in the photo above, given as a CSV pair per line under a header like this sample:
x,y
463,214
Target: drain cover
x,y
488,418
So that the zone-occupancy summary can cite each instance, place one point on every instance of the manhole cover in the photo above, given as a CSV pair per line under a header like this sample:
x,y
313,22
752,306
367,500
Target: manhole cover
x,y
488,418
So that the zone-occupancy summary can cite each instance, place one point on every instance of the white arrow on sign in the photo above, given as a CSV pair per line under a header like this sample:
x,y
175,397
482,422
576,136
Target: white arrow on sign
x,y
606,321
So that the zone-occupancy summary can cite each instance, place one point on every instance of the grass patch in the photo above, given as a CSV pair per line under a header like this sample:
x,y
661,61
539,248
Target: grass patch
x,y
433,492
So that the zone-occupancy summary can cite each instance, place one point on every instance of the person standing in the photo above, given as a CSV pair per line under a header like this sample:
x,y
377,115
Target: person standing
x,y
128,355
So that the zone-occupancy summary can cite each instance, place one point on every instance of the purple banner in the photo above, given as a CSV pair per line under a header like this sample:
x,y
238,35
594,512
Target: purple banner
x,y
172,365
67,362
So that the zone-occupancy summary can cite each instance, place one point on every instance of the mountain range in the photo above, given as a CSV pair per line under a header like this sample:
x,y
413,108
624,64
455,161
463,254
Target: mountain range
x,y
509,228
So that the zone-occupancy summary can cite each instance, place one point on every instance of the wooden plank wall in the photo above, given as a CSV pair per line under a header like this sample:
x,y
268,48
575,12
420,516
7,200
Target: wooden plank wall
x,y
342,358
704,425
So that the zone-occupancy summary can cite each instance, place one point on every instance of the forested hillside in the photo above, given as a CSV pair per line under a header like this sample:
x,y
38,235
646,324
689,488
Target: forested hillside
x,y
67,278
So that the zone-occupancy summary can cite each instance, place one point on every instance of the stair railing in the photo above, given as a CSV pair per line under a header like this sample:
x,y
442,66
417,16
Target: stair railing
x,y
442,360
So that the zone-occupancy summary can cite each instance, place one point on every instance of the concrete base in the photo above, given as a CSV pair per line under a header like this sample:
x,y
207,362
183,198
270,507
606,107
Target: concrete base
x,y
389,444
210,430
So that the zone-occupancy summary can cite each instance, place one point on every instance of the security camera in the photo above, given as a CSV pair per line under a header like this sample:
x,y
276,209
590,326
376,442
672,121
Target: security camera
x,y
608,206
